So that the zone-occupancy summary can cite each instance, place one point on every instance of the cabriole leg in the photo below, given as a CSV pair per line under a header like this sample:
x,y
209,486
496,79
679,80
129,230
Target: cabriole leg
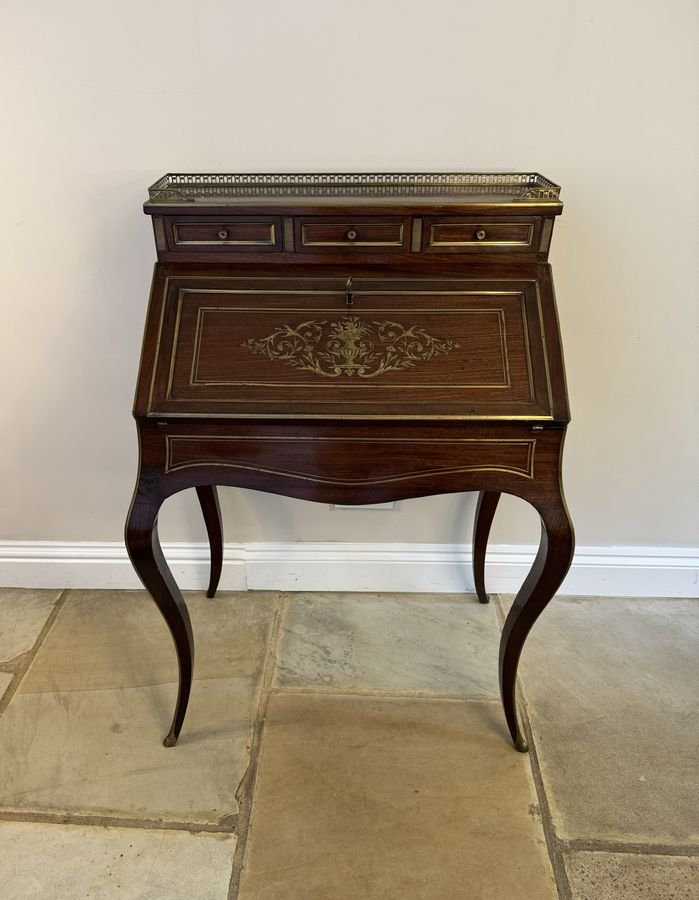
x,y
550,566
211,509
485,511
146,555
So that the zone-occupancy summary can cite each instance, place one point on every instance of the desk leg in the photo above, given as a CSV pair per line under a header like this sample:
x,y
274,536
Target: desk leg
x,y
208,500
550,566
147,557
485,511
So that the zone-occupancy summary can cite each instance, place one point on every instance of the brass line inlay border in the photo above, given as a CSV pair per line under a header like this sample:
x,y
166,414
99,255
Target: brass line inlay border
x,y
544,346
272,240
340,291
197,347
527,348
151,306
324,278
171,371
503,346
458,470
195,382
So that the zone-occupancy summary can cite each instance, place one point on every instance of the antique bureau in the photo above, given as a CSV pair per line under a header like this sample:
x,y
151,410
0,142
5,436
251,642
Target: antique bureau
x,y
353,339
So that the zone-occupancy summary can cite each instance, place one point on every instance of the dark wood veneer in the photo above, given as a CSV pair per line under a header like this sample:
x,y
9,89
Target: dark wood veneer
x,y
352,349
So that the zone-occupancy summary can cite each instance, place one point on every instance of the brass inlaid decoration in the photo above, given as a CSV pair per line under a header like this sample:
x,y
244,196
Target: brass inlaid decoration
x,y
350,346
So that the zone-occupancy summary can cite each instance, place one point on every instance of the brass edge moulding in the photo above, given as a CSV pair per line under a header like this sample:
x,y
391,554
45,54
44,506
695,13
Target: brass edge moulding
x,y
545,238
222,186
524,418
159,232
288,226
416,237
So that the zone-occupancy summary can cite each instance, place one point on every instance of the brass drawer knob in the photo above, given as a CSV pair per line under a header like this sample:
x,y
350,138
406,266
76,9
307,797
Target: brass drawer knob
x,y
223,234
480,234
351,235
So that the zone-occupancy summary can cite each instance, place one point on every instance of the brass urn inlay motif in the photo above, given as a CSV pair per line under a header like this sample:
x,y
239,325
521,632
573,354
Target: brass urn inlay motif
x,y
350,346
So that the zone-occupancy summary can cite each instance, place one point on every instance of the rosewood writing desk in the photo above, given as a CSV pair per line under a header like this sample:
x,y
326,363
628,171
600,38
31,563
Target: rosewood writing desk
x,y
353,339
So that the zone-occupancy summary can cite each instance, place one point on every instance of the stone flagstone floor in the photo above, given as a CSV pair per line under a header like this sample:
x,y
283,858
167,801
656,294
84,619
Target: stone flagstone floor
x,y
347,746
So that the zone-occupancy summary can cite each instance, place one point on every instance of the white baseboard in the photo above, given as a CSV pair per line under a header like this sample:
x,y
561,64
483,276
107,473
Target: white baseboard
x,y
422,568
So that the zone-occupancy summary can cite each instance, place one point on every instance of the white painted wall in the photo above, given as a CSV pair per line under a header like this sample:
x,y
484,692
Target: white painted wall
x,y
99,99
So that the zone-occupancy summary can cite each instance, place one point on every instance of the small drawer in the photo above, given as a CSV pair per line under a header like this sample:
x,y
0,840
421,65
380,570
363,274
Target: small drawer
x,y
378,234
246,234
458,235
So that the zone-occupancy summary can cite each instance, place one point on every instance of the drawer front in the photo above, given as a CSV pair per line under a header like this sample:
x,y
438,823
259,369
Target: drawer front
x,y
378,234
243,234
272,348
452,234
359,462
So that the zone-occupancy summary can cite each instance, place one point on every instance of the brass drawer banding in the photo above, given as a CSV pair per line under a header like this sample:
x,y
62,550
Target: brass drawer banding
x,y
454,235
232,234
319,234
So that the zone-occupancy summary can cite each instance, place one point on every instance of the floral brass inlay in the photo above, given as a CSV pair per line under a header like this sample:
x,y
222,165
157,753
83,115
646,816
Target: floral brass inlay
x,y
350,346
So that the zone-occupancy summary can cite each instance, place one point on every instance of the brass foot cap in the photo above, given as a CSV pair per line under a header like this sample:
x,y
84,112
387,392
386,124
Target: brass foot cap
x,y
169,740
521,745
